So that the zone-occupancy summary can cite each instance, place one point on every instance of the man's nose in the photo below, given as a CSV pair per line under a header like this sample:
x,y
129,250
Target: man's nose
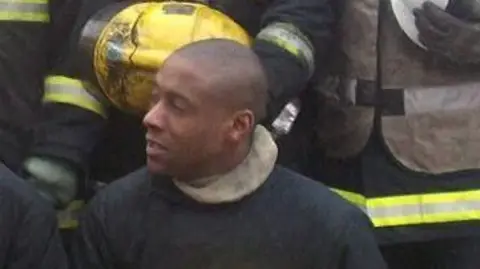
x,y
155,117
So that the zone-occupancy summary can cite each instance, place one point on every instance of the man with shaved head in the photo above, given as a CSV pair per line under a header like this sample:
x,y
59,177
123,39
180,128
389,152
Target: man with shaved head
x,y
211,196
208,97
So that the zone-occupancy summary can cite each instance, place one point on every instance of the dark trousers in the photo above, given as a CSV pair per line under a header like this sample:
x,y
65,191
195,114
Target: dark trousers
x,y
461,253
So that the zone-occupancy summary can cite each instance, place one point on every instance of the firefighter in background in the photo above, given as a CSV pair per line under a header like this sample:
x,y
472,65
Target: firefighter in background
x,y
290,38
31,34
400,128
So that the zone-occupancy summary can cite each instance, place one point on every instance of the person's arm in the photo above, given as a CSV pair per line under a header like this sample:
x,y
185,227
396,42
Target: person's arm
x,y
292,43
357,247
72,119
62,14
37,243
90,248
28,228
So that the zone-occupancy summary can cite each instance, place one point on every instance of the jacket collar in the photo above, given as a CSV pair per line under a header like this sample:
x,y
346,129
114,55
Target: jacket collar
x,y
242,180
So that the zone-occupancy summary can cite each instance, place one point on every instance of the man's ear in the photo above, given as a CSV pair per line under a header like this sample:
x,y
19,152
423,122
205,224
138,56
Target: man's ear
x,y
242,125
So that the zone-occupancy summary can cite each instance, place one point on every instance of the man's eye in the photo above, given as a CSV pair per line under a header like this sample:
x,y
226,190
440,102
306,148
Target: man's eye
x,y
179,104
154,98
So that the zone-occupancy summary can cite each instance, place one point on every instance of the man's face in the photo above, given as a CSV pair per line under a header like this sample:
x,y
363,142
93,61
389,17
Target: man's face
x,y
186,126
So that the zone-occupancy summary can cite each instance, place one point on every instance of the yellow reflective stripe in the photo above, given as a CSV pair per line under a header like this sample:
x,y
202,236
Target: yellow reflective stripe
x,y
68,218
15,2
430,198
30,11
59,89
28,17
352,197
418,208
423,218
290,38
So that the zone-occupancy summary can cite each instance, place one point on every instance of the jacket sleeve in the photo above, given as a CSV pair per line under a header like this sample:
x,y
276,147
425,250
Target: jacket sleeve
x,y
72,118
294,39
29,235
89,247
358,248
62,19
38,244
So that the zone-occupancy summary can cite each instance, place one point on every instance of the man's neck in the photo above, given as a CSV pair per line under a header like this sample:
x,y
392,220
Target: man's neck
x,y
222,165
239,175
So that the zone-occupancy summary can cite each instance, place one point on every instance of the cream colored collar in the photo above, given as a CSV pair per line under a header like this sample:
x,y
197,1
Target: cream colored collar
x,y
242,180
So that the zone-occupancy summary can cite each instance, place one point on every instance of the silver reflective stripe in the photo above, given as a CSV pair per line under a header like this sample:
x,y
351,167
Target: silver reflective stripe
x,y
418,208
23,7
444,98
59,89
283,124
290,38
422,209
26,10
70,90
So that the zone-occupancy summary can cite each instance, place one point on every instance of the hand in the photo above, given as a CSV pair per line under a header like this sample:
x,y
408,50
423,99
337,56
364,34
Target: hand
x,y
54,181
448,36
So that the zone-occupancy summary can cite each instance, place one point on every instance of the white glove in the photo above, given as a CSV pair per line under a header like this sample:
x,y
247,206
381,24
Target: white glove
x,y
55,182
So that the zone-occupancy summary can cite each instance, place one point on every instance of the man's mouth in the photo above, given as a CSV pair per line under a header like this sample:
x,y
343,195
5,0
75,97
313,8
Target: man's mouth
x,y
155,147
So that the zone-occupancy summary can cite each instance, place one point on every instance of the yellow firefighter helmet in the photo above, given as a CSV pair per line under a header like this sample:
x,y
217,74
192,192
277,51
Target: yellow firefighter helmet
x,y
123,45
